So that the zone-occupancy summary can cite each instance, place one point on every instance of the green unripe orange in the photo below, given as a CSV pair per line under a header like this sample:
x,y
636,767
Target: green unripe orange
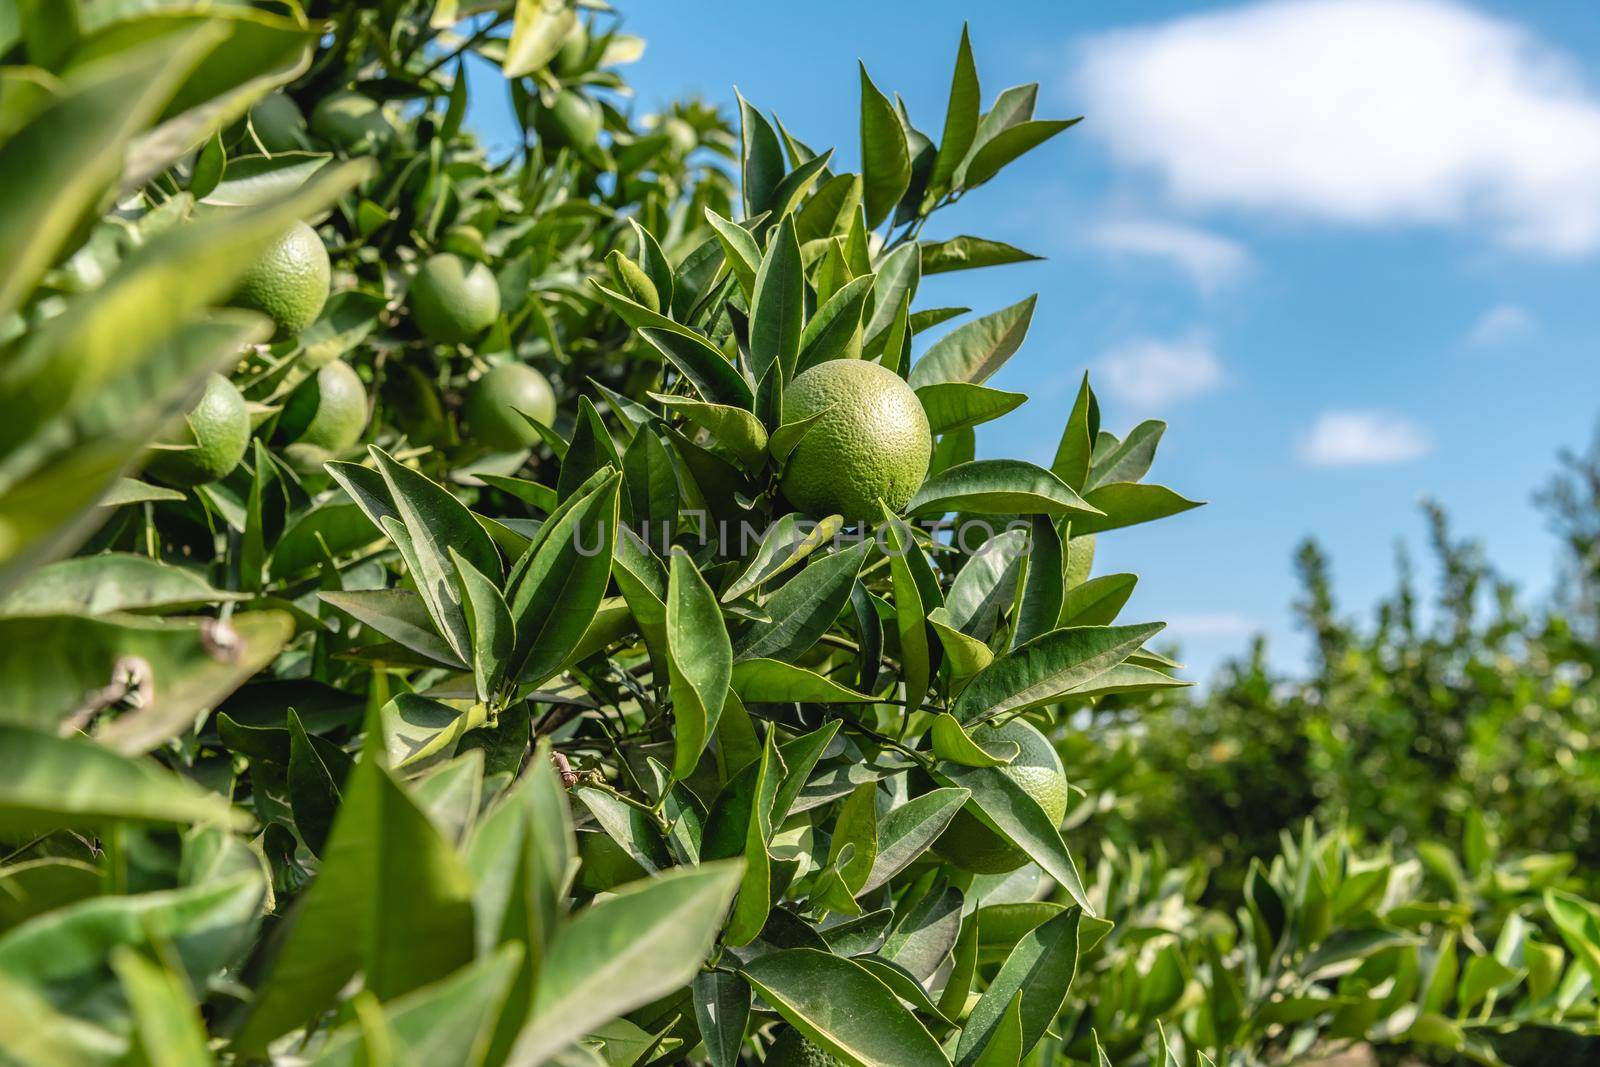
x,y
352,123
794,1049
493,402
278,124
571,121
452,301
872,442
328,410
289,281
968,842
216,432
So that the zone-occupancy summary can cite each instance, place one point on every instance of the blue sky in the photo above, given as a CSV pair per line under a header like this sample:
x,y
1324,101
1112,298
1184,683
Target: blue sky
x,y
1346,248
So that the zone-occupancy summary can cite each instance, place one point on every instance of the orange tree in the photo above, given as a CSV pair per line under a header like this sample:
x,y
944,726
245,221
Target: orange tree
x,y
559,615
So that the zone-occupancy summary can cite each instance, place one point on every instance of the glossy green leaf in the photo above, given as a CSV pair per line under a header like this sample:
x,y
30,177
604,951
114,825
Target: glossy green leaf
x,y
777,309
564,581
1005,807
885,157
700,659
960,121
973,352
803,608
392,900
959,405
999,487
449,1021
1038,971
1126,504
770,681
622,952
842,1007
49,782
953,744
968,253
1041,670
713,377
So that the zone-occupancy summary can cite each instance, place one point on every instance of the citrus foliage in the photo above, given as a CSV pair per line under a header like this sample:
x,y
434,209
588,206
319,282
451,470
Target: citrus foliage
x,y
550,609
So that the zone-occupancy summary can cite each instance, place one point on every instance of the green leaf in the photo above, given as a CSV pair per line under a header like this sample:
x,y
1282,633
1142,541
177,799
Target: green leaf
x,y
959,405
960,122
313,788
777,309
1006,146
841,1006
953,744
49,783
964,655
1126,504
590,451
700,659
1047,667
713,377
1005,807
1039,971
64,955
754,902
449,1021
761,166
770,681
436,522
974,351
58,166
53,667
786,543
911,622
739,250
722,1010
537,33
1040,607
392,901
968,253
399,615
631,828
521,856
856,827
829,209
1004,1047
168,1030
1097,601
736,429
925,934
803,609
116,581
896,285
1073,453
1578,922
489,624
999,487
834,332
885,157
623,952
1130,459
564,581
650,490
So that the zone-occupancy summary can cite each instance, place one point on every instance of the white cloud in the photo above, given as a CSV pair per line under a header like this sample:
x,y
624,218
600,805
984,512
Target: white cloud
x,y
1148,372
1210,261
1212,624
1358,111
1363,439
1501,325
